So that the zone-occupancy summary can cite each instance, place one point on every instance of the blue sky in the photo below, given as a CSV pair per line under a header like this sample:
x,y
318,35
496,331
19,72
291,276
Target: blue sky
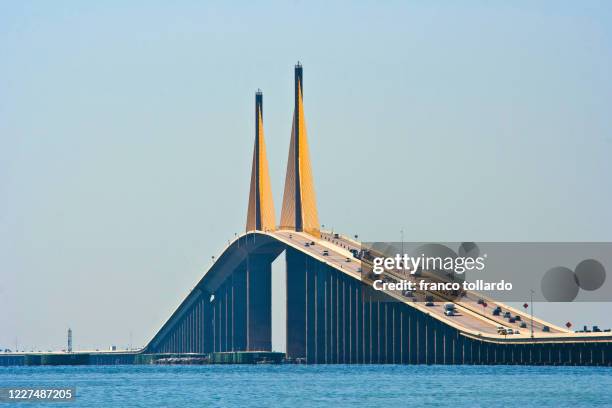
x,y
126,135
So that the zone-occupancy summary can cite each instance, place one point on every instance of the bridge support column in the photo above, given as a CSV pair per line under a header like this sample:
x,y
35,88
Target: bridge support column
x,y
296,303
259,302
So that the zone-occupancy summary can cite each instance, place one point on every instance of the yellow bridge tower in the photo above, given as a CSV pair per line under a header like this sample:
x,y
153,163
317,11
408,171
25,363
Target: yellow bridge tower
x,y
260,215
299,211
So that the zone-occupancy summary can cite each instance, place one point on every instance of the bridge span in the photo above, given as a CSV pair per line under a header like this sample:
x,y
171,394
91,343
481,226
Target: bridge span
x,y
333,313
334,316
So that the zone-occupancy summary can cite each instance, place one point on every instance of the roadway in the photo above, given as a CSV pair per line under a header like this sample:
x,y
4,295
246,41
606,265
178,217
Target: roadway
x,y
340,257
471,317
470,313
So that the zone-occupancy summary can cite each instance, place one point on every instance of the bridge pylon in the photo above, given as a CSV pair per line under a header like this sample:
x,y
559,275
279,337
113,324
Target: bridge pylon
x,y
299,211
260,213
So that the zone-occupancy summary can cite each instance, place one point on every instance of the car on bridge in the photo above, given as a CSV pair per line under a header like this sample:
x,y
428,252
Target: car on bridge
x,y
449,309
408,293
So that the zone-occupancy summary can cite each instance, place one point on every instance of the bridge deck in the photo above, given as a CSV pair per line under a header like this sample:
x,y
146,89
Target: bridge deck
x,y
471,318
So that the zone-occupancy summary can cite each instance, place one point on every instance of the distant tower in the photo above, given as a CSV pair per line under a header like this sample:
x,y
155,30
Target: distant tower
x,y
260,215
69,348
299,210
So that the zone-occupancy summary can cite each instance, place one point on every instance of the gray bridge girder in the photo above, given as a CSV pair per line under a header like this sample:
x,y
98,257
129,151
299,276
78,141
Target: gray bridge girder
x,y
332,317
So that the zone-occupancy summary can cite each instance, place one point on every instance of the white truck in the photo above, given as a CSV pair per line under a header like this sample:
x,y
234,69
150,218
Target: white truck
x,y
449,309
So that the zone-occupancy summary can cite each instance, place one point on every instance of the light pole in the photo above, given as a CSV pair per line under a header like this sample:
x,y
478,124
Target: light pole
x,y
531,304
402,233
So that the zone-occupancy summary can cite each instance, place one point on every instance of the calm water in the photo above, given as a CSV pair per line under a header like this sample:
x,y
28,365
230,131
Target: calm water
x,y
308,386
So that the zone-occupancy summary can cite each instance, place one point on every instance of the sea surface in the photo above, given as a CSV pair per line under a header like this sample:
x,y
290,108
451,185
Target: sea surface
x,y
299,386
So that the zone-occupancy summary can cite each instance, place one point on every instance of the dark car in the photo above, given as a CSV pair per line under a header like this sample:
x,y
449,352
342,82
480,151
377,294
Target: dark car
x,y
507,315
523,325
518,318
546,329
511,320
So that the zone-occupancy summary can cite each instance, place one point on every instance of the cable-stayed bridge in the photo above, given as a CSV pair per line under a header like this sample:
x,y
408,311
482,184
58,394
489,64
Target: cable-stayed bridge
x,y
333,314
